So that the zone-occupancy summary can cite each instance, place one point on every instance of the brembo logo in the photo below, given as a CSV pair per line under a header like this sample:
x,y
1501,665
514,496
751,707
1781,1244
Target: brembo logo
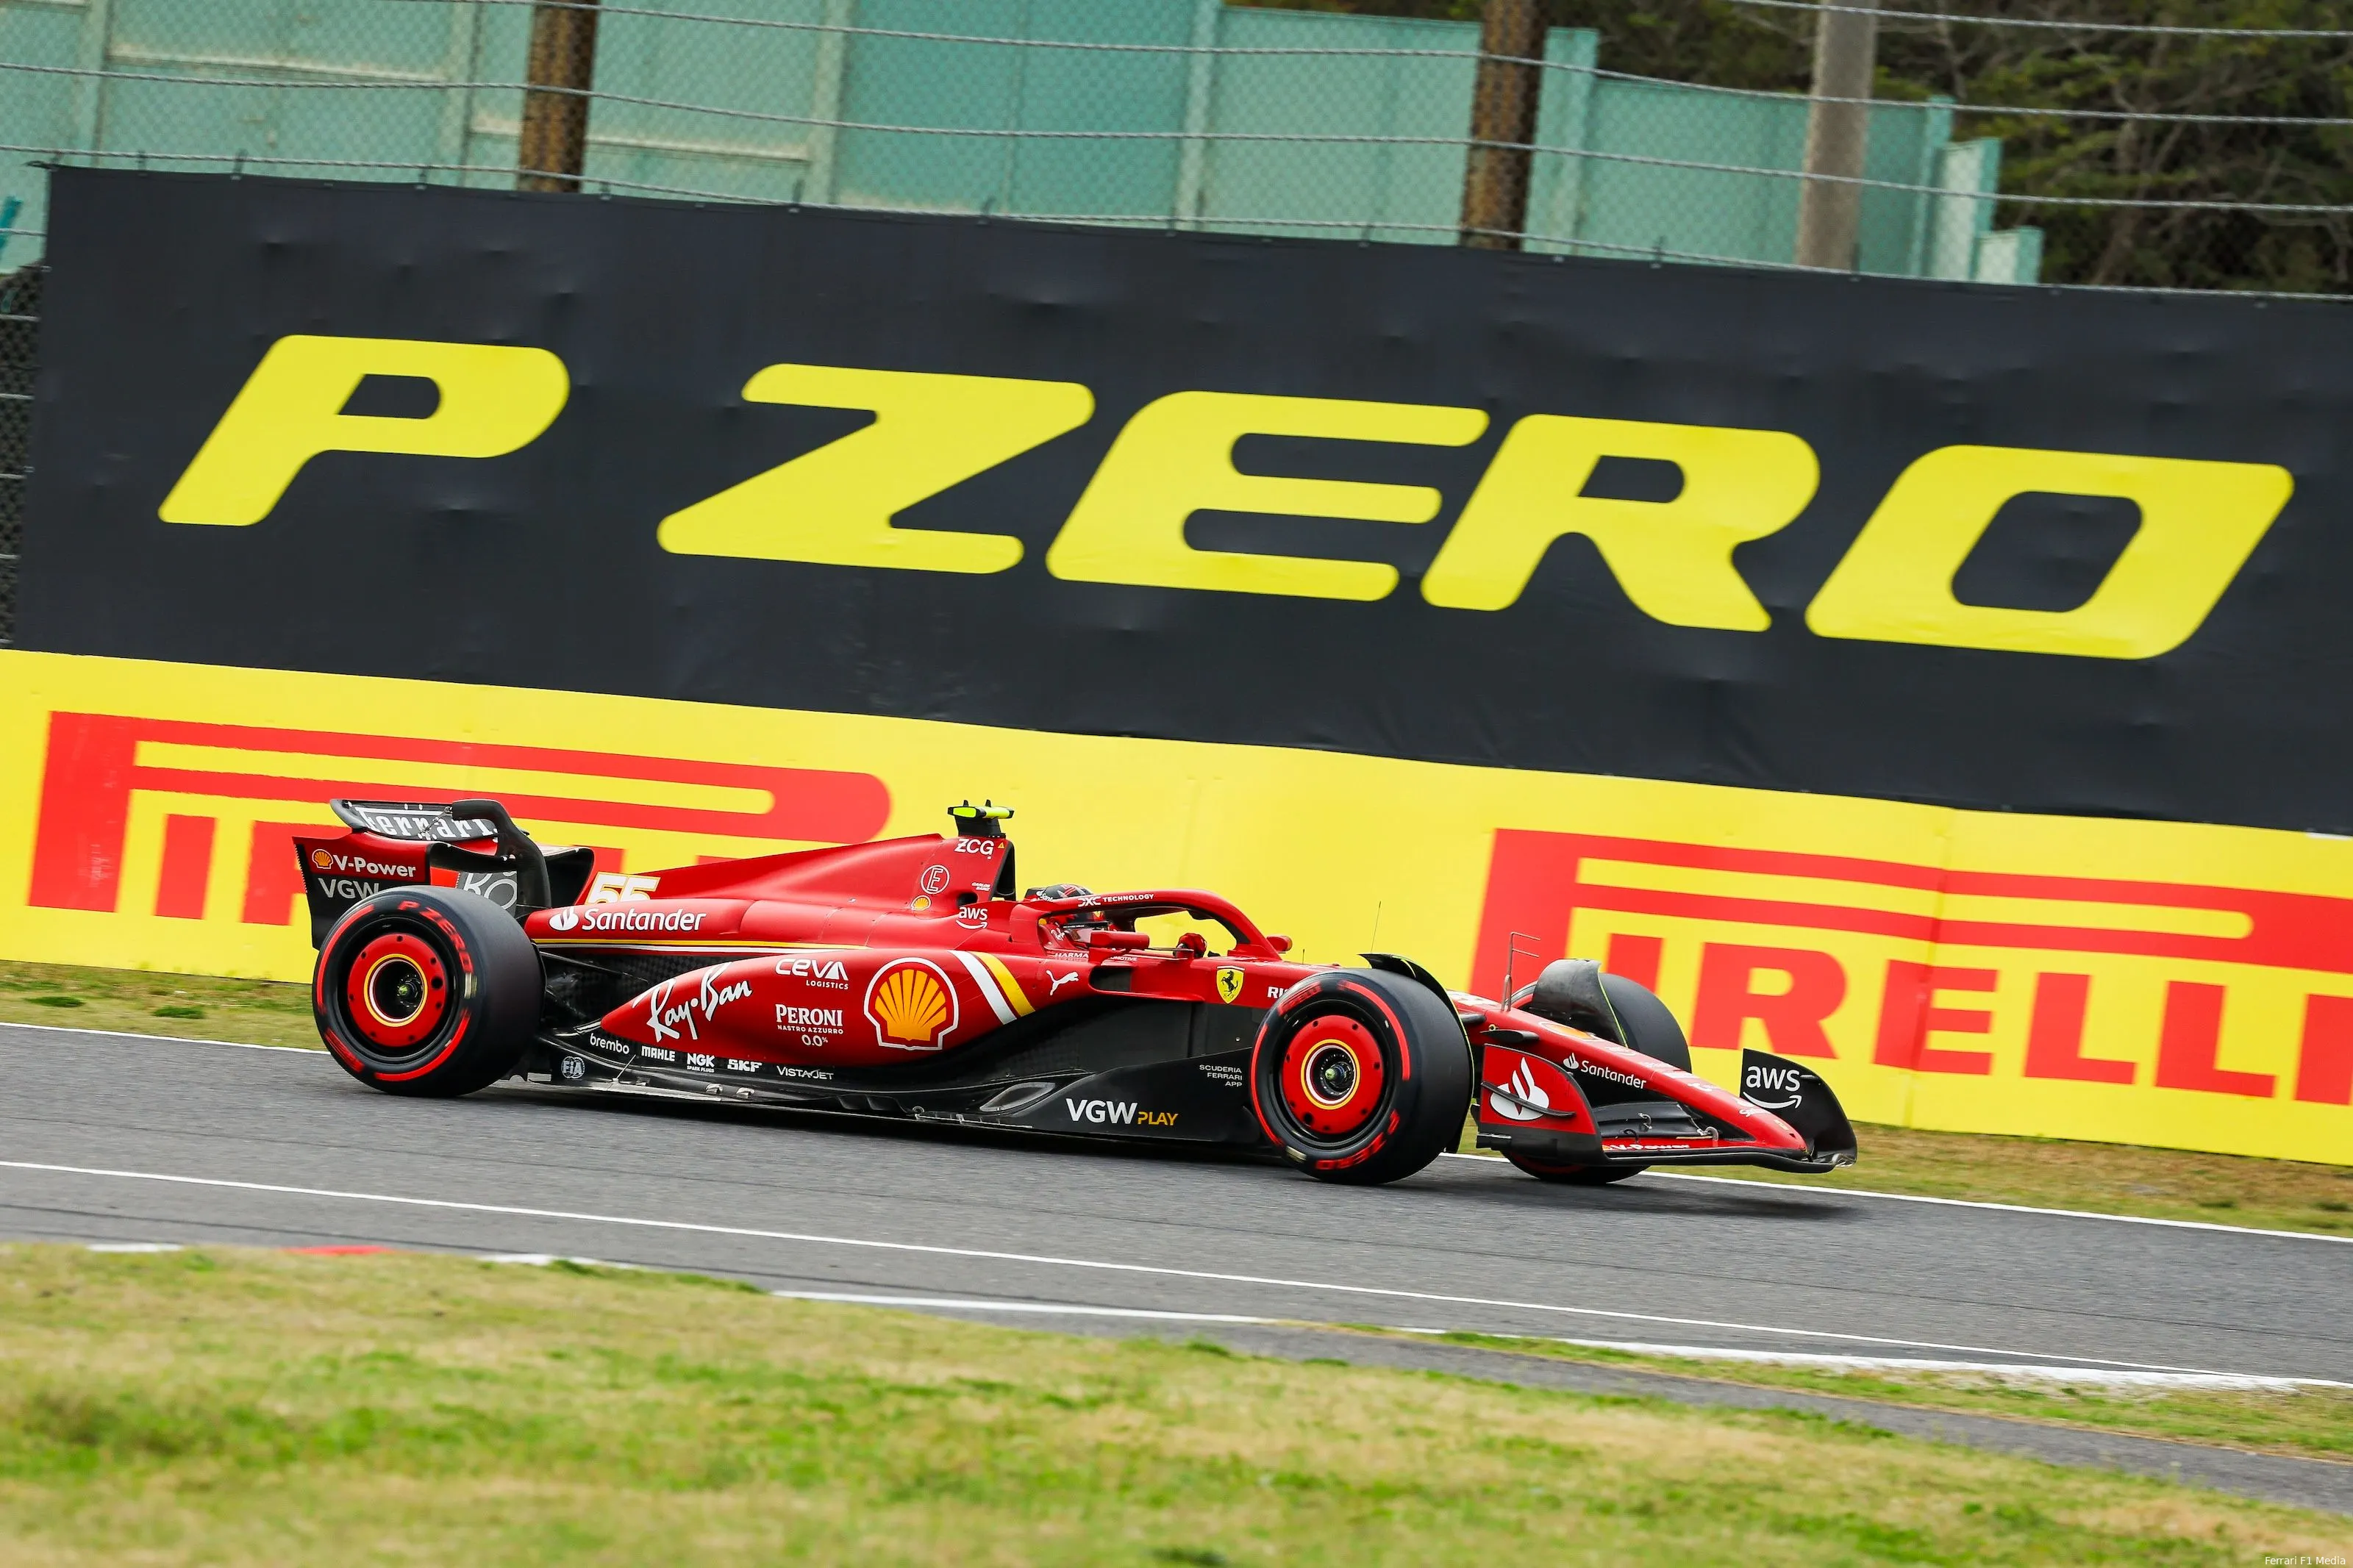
x,y
834,506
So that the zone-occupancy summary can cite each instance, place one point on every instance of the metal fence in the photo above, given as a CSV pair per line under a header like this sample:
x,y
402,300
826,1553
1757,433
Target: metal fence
x,y
1198,114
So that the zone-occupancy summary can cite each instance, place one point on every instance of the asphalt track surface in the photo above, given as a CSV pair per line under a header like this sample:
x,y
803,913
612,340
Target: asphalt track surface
x,y
112,1138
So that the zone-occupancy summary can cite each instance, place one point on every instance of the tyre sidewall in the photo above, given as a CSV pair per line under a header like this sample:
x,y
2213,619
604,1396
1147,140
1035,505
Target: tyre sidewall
x,y
1424,1056
494,981
1648,1025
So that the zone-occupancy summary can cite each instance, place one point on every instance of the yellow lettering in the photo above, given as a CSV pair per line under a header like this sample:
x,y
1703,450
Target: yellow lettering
x,y
1176,457
1673,558
494,399
834,506
2199,523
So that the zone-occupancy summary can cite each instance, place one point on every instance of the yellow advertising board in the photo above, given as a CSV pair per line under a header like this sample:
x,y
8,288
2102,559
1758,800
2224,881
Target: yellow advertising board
x,y
2167,984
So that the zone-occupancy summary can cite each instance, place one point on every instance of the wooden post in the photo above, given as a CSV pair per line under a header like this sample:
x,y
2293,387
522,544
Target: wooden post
x,y
1503,124
1844,43
560,70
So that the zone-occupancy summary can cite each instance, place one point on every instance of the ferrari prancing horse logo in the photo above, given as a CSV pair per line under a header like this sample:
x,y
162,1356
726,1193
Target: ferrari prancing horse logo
x,y
1230,984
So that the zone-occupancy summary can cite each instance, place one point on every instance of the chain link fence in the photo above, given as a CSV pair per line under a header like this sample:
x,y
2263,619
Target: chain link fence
x,y
2134,143
20,318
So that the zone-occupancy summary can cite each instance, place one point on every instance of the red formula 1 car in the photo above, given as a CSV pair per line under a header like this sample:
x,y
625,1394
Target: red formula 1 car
x,y
910,978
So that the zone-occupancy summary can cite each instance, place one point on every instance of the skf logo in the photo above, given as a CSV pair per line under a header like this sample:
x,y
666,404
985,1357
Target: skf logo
x,y
911,1006
834,506
1230,984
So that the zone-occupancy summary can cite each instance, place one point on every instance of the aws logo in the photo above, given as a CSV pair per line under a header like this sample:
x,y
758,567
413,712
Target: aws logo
x,y
836,505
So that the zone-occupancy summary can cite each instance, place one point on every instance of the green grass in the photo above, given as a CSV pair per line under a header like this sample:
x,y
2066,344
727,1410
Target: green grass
x,y
224,1406
2310,1423
193,1007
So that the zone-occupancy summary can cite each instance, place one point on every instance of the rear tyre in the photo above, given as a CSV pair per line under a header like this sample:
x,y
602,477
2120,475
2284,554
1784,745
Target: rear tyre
x,y
427,991
1360,1076
1575,1176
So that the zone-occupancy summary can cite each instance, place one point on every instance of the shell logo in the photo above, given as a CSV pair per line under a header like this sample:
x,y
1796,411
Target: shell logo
x,y
323,860
911,1006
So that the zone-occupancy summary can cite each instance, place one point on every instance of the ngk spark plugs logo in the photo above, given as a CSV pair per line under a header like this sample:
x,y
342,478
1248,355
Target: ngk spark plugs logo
x,y
101,767
2092,1006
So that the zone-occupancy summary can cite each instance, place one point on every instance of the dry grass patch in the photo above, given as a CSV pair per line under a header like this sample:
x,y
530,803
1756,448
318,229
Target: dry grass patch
x,y
228,1407
2314,1423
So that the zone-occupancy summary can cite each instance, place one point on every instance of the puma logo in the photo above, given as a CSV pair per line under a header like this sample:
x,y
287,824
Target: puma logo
x,y
1056,981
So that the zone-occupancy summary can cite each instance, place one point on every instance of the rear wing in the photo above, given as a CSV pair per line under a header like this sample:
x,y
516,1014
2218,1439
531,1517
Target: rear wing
x,y
413,822
474,847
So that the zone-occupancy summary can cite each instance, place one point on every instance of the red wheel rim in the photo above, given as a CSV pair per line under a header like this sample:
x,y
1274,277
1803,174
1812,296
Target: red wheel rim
x,y
1331,1076
397,992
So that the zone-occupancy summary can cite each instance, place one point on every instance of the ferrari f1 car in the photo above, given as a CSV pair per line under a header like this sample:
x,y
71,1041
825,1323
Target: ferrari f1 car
x,y
914,978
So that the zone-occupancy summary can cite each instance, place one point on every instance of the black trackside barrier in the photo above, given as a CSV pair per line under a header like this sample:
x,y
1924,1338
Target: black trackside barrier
x,y
544,566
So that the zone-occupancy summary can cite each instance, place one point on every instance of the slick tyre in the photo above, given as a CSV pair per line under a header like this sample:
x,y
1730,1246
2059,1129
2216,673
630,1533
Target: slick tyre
x,y
427,991
1360,1076
1575,1176
1648,1025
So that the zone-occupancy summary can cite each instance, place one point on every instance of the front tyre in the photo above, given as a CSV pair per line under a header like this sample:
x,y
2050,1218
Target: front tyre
x,y
1360,1076
427,991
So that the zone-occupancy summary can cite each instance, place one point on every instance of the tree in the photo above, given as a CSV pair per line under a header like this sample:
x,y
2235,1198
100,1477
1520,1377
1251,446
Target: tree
x,y
1725,43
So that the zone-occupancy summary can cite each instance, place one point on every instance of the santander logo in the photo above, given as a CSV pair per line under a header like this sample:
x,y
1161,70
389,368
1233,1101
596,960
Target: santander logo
x,y
563,919
1522,1087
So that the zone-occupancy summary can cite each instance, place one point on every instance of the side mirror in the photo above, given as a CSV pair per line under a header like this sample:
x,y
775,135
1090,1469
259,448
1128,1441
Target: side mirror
x,y
1118,940
1280,944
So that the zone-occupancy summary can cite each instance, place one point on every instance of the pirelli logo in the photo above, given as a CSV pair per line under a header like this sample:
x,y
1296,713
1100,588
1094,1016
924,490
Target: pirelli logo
x,y
99,767
1944,972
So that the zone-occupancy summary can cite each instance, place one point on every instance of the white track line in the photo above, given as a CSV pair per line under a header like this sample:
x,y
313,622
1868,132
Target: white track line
x,y
1050,1308
2102,1375
2106,1377
1965,1204
168,1039
815,1239
1487,1159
